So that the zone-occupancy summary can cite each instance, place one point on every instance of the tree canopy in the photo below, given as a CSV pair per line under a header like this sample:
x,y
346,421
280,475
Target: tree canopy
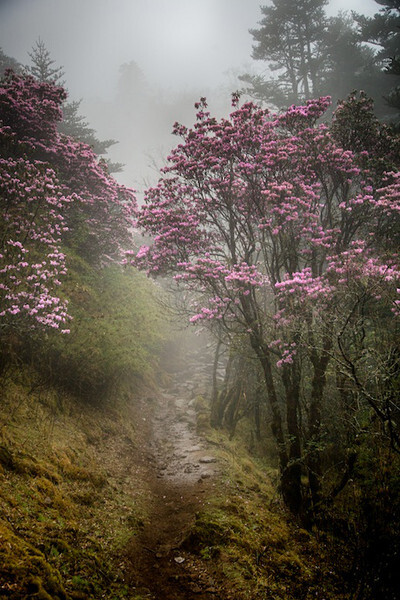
x,y
383,31
72,124
309,54
55,192
271,223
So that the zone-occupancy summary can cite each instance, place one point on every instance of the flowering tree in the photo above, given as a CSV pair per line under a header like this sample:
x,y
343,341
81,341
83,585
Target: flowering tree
x,y
31,228
54,193
271,223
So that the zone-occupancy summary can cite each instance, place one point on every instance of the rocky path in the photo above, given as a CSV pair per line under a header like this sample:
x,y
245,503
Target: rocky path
x,y
181,471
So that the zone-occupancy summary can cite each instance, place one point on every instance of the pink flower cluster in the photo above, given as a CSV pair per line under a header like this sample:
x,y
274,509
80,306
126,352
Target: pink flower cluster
x,y
268,218
32,225
50,185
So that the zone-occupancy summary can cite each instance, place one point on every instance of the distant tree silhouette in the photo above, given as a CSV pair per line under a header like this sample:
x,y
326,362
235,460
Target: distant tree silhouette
x,y
73,124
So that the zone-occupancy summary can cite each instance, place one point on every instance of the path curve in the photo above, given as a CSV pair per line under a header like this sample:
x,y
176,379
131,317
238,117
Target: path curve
x,y
181,471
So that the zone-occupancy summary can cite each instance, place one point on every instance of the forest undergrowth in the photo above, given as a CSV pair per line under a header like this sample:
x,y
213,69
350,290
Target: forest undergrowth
x,y
70,497
77,491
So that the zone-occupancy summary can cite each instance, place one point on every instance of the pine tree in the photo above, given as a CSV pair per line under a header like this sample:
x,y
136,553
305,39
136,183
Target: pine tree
x,y
42,65
383,31
73,124
349,65
314,55
289,41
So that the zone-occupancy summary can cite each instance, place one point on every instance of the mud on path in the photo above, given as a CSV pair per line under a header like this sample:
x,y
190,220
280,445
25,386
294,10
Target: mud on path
x,y
180,470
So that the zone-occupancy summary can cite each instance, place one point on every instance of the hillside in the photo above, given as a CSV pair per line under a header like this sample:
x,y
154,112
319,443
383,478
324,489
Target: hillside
x,y
140,499
256,459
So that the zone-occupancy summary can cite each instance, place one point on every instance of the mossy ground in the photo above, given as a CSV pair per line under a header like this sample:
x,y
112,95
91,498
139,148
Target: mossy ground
x,y
74,492
257,551
71,495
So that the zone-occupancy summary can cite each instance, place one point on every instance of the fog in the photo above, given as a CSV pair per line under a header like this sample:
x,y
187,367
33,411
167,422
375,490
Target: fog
x,y
139,65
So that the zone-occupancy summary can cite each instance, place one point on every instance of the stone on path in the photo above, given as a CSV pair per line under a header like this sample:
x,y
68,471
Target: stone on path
x,y
205,460
179,559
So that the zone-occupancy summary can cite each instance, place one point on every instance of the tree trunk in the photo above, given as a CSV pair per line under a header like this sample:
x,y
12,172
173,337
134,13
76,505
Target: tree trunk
x,y
290,468
222,398
232,408
214,417
257,416
320,364
291,380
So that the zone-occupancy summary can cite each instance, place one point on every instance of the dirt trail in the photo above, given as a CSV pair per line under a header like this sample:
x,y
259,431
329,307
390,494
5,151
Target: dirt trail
x,y
180,470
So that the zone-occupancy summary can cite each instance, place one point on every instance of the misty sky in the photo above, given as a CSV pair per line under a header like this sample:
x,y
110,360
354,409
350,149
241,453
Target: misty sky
x,y
184,43
181,46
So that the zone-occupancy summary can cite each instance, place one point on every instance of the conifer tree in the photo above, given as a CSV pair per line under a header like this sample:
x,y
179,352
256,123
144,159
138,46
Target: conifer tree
x,y
313,55
383,31
43,66
288,40
73,124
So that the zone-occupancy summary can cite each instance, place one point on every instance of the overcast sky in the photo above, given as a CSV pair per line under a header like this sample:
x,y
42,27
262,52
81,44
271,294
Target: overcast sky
x,y
192,47
177,43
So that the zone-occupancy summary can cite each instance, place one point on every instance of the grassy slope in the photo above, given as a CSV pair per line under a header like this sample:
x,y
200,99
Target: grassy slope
x,y
71,494
257,551
69,491
73,491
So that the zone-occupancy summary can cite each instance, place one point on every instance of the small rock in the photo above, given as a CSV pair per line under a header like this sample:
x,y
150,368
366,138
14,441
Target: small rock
x,y
195,449
205,460
179,559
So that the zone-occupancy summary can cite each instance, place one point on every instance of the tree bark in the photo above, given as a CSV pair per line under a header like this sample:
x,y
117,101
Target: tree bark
x,y
289,465
291,380
320,365
214,417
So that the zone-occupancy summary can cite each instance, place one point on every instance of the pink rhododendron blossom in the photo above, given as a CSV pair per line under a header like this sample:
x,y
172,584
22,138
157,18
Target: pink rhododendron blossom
x,y
48,181
269,221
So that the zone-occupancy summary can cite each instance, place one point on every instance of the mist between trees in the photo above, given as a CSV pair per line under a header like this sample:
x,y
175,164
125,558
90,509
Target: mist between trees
x,y
279,227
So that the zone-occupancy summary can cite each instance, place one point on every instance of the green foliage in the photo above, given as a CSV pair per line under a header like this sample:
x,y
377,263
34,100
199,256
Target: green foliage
x,y
349,65
43,66
249,541
377,475
76,126
288,40
383,31
116,332
7,62
310,54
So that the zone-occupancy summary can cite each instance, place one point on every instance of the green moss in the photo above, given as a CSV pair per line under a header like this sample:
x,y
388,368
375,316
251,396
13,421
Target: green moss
x,y
248,537
28,568
61,516
31,466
